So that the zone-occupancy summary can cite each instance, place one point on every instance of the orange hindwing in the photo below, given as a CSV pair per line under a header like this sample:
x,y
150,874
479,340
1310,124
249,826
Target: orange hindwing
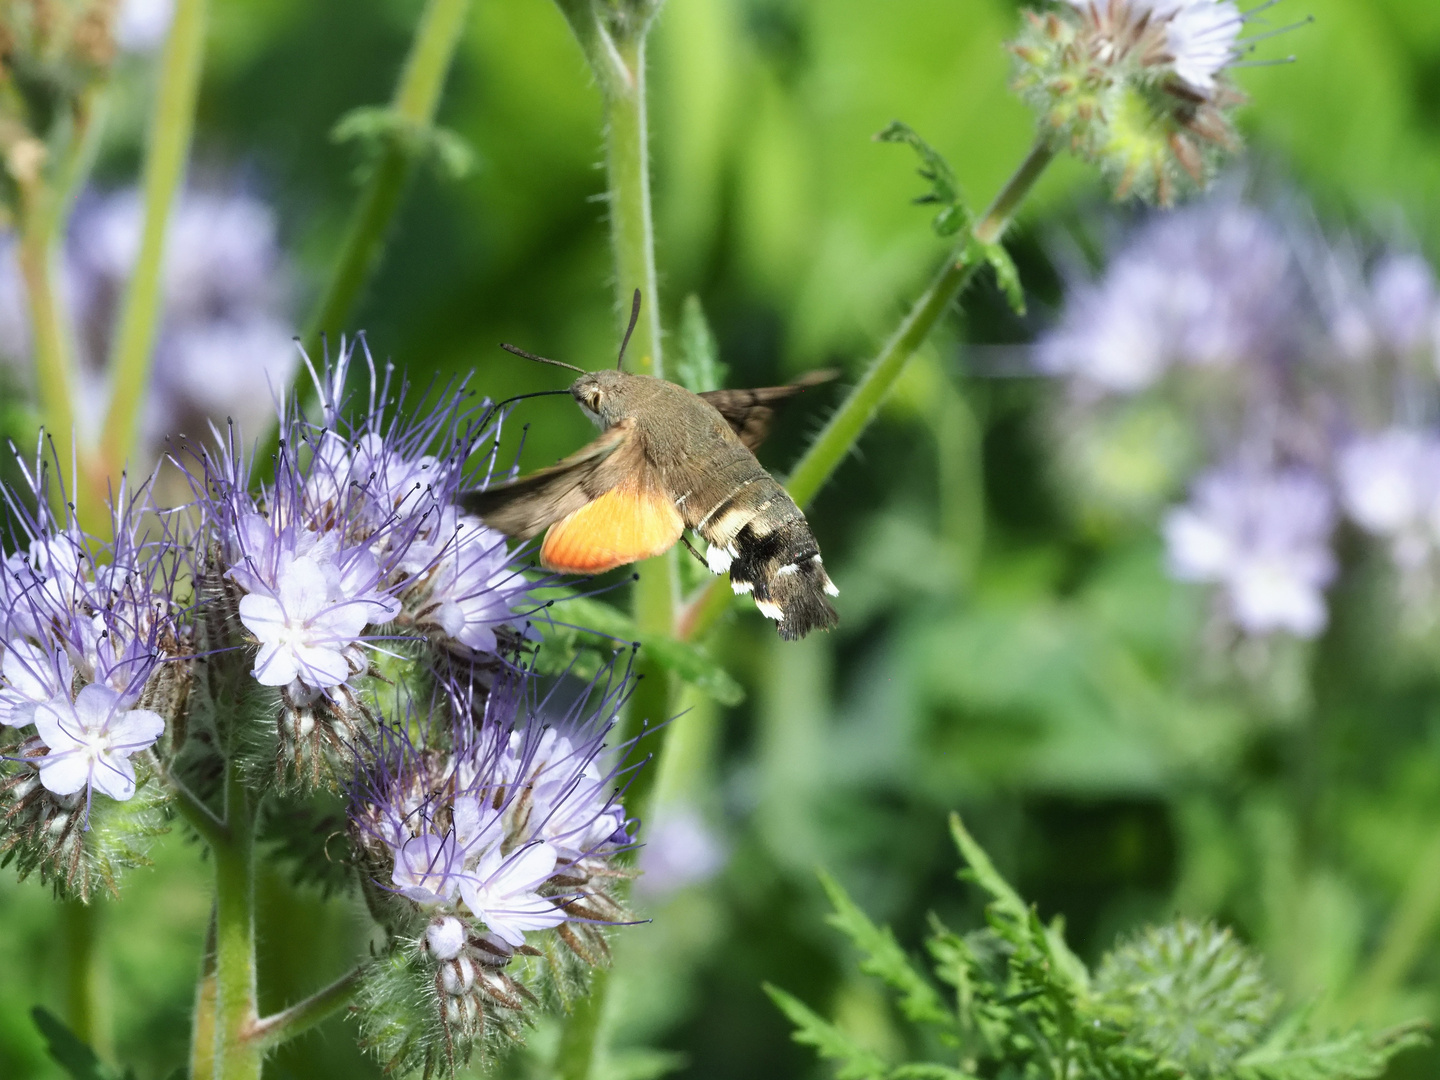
x,y
630,522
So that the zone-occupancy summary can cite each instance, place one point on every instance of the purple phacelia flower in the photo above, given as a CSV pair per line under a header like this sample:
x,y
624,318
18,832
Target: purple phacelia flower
x,y
355,541
1264,538
495,819
94,664
1208,286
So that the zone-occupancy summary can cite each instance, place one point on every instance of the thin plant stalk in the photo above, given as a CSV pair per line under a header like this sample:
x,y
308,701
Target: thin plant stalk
x,y
202,1024
616,52
413,106
84,1009
845,427
172,123
237,1056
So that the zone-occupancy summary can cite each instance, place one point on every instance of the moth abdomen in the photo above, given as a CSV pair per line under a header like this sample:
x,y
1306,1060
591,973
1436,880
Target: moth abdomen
x,y
760,536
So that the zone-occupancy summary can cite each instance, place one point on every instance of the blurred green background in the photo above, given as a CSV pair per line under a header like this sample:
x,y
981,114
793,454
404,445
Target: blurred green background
x,y
997,654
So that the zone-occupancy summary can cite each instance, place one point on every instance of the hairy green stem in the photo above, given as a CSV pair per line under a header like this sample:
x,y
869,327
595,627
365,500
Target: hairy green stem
x,y
583,1037
614,44
303,1015
172,123
237,1056
202,1025
201,817
844,428
50,336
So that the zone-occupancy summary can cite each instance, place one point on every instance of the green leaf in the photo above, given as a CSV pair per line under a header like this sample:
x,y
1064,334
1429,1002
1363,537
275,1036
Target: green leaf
x,y
698,367
856,1063
982,871
688,662
70,1052
1294,1052
1007,277
919,1000
925,1070
376,127
944,190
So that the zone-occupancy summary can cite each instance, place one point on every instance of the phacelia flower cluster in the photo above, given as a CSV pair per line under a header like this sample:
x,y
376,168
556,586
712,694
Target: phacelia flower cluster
x,y
1227,333
352,548
489,841
94,665
1138,87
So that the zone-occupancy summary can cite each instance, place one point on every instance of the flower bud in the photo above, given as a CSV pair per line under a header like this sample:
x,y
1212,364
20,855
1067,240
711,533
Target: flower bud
x,y
1137,87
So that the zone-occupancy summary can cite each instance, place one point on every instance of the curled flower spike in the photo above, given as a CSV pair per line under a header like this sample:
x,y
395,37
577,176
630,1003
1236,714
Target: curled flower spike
x,y
94,666
1138,87
490,839
353,542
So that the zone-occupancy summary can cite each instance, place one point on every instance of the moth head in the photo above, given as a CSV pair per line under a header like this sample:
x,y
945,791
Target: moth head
x,y
601,395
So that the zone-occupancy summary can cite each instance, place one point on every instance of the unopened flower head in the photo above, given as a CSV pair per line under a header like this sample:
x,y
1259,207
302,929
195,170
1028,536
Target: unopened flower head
x,y
1262,536
493,831
1138,87
354,542
93,666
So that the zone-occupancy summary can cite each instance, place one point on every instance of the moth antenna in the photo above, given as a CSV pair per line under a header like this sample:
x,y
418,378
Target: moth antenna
x,y
634,318
539,359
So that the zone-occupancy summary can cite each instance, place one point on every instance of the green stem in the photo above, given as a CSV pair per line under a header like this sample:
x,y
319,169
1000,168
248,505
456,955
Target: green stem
x,y
201,817
845,427
237,1056
202,1028
855,415
615,47
80,922
416,98
54,369
582,1038
302,1016
171,124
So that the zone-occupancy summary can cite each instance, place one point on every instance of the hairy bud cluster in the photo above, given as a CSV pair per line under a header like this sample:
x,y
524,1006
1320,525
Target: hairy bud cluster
x,y
1137,87
353,542
490,845
94,665
62,49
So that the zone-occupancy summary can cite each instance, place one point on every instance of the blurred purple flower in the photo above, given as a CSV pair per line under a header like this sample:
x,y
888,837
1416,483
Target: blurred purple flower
x,y
1264,538
1390,486
226,341
141,25
680,850
1209,285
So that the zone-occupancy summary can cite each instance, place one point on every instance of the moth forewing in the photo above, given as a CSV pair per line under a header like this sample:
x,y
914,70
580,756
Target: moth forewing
x,y
670,459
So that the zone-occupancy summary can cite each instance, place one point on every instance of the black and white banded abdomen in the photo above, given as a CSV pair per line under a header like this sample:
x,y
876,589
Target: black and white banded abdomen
x,y
759,536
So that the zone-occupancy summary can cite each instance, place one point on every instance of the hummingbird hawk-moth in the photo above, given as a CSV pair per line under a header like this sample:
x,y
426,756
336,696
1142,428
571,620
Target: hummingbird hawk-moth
x,y
667,460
